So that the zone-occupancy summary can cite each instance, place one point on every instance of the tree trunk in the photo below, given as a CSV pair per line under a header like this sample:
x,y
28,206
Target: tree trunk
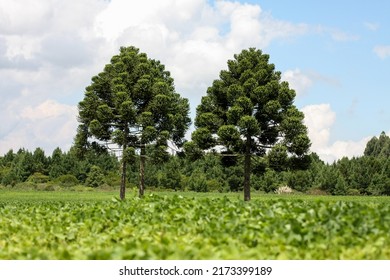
x,y
122,190
123,177
142,172
247,170
123,181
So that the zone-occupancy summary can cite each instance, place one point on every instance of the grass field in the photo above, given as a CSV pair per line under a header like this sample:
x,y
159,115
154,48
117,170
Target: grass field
x,y
168,225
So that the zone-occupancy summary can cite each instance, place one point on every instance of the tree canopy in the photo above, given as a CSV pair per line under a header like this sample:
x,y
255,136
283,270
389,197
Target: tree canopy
x,y
378,146
132,103
249,110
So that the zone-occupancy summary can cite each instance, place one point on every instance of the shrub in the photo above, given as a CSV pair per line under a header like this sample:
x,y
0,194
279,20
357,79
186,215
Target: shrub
x,y
300,180
67,180
28,185
113,179
95,177
197,182
353,192
214,186
38,178
316,191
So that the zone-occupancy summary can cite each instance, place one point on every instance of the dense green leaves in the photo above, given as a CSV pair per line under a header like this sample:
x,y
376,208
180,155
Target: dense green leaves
x,y
252,103
132,103
132,92
175,227
26,166
378,147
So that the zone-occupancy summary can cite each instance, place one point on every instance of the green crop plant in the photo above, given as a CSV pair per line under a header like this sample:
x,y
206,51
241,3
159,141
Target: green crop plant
x,y
161,226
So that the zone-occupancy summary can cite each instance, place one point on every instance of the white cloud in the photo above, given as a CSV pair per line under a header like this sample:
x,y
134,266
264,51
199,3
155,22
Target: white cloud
x,y
52,48
319,119
49,125
383,51
297,80
197,41
23,16
302,81
47,109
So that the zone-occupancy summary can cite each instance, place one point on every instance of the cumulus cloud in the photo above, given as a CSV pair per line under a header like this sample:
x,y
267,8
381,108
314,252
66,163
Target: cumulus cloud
x,y
49,52
302,81
53,126
383,51
319,119
197,40
297,80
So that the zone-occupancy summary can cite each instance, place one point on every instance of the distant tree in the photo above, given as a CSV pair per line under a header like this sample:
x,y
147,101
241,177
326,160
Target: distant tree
x,y
300,180
378,147
341,187
170,176
270,181
56,168
95,177
328,179
250,111
8,158
40,161
363,170
23,165
132,103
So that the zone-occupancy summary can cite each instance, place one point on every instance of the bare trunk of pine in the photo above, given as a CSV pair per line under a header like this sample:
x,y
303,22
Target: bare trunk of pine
x,y
142,172
247,170
123,181
123,177
122,191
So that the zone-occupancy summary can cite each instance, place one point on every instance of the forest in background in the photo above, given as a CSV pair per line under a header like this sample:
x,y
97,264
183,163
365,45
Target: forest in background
x,y
207,172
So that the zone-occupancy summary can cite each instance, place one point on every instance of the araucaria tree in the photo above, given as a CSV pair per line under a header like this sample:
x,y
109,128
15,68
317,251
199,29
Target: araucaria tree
x,y
250,111
132,103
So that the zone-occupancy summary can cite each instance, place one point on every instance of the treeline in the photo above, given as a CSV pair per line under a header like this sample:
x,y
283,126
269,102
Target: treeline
x,y
211,172
25,169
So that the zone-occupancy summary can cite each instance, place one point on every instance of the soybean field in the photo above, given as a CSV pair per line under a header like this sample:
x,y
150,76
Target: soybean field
x,y
97,225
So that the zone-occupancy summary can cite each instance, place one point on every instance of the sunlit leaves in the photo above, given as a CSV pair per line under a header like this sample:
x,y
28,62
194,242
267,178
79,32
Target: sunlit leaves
x,y
129,154
209,120
229,136
203,138
251,96
176,227
248,126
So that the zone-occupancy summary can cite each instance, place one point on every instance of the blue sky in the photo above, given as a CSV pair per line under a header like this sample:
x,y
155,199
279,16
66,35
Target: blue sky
x,y
335,54
340,46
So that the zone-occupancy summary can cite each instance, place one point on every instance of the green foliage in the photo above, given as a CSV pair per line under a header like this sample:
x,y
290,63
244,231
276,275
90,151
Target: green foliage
x,y
67,180
249,110
131,103
340,187
85,226
300,180
198,182
378,147
192,151
133,93
95,177
170,176
270,181
38,178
